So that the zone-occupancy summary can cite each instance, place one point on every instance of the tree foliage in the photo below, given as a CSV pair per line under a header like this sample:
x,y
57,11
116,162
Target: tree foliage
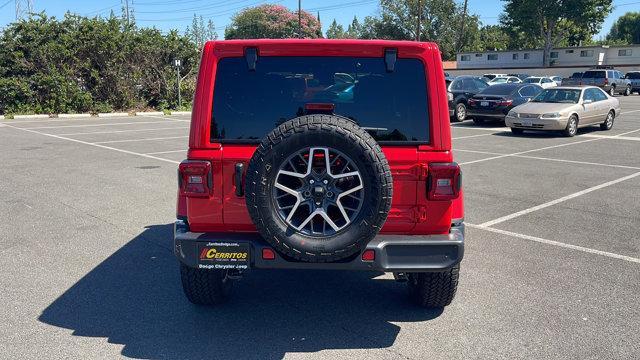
x,y
199,33
80,64
549,24
335,31
271,22
626,30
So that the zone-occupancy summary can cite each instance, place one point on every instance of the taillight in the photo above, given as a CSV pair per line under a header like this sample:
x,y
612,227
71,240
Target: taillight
x,y
194,178
445,181
606,81
505,102
471,102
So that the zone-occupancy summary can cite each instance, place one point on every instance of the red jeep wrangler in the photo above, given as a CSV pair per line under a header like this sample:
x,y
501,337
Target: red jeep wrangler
x,y
320,154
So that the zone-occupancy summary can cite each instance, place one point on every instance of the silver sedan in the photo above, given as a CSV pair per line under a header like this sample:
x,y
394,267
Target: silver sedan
x,y
565,108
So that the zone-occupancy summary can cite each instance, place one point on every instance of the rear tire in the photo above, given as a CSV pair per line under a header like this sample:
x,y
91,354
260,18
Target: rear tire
x,y
627,91
572,127
608,122
516,131
205,287
461,112
612,90
434,289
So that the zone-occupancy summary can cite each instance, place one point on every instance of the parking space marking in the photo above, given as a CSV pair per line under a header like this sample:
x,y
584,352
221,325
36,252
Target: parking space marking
x,y
94,125
555,243
500,129
611,137
96,145
526,152
629,112
166,118
167,152
626,133
557,201
470,136
552,159
120,131
144,139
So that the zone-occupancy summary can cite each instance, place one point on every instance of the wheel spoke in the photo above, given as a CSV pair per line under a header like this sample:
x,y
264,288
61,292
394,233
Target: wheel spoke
x,y
287,190
353,173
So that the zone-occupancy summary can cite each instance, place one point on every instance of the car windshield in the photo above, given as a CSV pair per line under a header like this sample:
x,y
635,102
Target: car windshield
x,y
532,80
634,75
569,96
599,74
390,105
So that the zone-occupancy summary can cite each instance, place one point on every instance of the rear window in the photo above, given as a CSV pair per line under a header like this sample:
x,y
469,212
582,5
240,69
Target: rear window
x,y
500,89
633,75
594,75
532,80
391,106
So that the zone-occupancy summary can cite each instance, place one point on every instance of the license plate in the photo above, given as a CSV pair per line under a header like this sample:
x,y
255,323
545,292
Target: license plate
x,y
223,255
484,103
526,123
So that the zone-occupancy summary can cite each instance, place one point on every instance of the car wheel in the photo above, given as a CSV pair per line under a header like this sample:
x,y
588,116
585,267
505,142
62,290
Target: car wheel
x,y
608,122
318,188
205,287
461,112
572,127
612,90
517,131
627,91
434,289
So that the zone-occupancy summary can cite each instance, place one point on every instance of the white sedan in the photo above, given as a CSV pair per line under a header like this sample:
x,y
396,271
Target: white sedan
x,y
545,82
504,80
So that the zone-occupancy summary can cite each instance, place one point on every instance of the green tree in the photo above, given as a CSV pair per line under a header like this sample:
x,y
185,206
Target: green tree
x,y
626,30
335,31
199,33
549,23
271,21
354,31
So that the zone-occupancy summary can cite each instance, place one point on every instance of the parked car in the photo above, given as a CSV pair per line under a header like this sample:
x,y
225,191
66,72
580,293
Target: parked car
x,y
506,79
461,89
556,79
544,82
634,80
572,80
608,79
565,108
278,179
520,76
492,76
495,101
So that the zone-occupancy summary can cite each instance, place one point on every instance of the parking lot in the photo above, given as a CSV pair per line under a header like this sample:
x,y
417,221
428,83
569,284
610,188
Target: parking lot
x,y
551,268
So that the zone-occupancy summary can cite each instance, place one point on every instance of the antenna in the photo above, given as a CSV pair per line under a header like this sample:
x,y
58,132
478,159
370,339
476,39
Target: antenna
x,y
24,8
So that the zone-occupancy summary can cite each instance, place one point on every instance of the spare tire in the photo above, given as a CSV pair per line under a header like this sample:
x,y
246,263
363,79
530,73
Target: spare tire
x,y
318,188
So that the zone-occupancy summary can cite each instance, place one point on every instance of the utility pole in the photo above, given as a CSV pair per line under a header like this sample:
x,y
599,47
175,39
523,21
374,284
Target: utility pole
x,y
23,8
464,17
419,19
177,63
126,10
300,19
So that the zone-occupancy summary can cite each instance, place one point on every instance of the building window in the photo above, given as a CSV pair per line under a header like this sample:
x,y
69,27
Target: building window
x,y
526,56
554,55
465,57
478,55
492,56
568,51
624,52
586,53
514,56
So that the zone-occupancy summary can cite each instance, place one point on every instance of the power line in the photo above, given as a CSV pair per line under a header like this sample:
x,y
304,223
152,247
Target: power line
x,y
5,4
199,8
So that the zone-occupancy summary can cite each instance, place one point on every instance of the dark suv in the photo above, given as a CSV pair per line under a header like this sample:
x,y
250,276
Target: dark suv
x,y
320,154
610,80
462,89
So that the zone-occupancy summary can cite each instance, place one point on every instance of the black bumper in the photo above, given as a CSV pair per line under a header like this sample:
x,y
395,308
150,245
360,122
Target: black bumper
x,y
393,253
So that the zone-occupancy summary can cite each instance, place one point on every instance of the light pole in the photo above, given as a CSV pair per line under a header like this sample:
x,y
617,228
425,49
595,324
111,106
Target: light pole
x,y
177,63
300,19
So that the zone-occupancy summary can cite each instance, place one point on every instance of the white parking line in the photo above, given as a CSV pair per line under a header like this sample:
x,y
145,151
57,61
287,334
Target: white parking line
x,y
96,145
626,133
94,125
526,152
628,112
121,131
557,201
167,152
556,243
470,136
611,137
166,118
552,159
494,129
145,139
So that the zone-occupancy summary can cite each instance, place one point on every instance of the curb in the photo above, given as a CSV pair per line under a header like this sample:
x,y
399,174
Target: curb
x,y
142,113
42,116
72,116
119,114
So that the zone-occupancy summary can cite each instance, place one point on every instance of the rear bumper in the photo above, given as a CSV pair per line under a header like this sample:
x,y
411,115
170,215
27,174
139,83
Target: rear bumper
x,y
498,114
393,253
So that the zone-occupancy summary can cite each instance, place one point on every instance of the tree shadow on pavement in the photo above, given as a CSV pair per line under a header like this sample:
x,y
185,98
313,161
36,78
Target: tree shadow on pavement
x,y
134,298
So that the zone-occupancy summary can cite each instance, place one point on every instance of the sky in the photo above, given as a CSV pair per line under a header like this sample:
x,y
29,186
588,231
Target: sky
x,y
177,14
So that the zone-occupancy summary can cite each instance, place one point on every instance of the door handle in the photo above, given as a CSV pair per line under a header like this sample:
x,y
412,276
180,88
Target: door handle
x,y
238,179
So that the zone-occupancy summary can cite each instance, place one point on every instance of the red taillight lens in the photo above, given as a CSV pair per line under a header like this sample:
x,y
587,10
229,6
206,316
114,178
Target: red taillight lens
x,y
606,81
369,255
194,178
505,102
445,181
323,107
268,254
471,102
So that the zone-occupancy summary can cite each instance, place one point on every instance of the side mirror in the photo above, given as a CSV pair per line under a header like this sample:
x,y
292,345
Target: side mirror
x,y
586,101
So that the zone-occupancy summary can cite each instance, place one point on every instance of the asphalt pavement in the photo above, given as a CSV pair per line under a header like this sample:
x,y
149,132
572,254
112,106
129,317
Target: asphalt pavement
x,y
551,268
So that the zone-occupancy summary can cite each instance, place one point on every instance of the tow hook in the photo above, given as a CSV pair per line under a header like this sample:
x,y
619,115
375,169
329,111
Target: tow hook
x,y
400,277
